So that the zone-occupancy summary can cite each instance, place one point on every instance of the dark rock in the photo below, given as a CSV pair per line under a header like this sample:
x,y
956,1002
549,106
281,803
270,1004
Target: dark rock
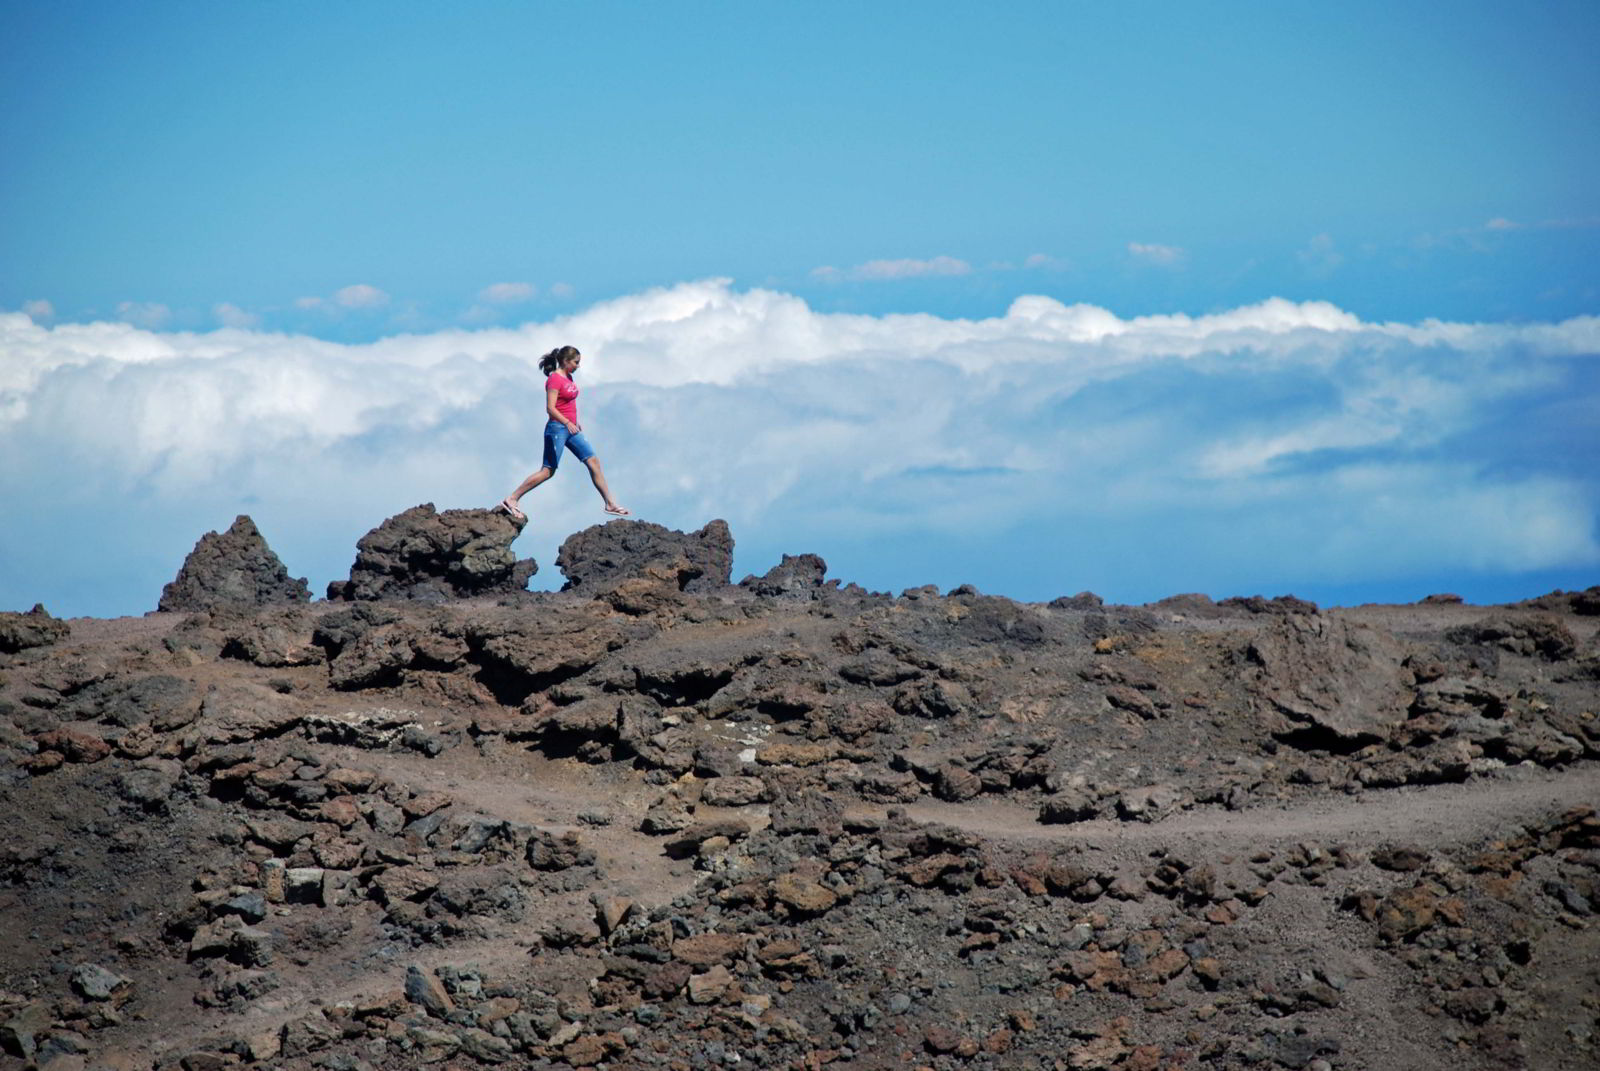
x,y
36,628
20,1030
954,784
425,990
236,568
548,851
1193,602
1541,636
430,556
1283,604
1401,859
1440,599
146,699
604,554
1342,683
1083,600
794,575
93,982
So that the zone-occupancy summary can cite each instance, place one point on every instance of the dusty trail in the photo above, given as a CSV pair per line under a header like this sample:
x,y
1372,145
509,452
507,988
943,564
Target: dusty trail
x,y
1439,814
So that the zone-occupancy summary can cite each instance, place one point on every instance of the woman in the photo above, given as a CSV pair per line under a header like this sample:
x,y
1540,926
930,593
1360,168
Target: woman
x,y
561,432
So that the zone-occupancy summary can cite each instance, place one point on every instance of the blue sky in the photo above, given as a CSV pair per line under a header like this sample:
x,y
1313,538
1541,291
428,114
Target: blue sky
x,y
410,199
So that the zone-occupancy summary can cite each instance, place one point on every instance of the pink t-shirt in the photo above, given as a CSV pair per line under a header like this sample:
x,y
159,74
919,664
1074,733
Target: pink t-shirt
x,y
566,395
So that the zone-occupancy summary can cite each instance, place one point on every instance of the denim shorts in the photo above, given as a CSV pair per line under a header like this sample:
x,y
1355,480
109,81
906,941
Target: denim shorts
x,y
556,437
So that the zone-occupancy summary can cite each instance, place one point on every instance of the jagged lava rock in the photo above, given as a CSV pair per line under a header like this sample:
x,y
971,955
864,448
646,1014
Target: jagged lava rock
x,y
36,628
797,574
606,553
235,568
430,556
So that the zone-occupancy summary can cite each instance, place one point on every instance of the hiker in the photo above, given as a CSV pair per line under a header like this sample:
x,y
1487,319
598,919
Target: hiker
x,y
561,432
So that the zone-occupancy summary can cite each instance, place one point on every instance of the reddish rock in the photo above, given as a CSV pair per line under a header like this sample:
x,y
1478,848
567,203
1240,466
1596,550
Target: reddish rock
x,y
706,949
802,895
74,745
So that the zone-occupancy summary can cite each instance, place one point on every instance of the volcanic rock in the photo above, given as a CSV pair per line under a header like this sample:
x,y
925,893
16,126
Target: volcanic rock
x,y
1340,679
429,556
36,628
796,574
236,568
607,553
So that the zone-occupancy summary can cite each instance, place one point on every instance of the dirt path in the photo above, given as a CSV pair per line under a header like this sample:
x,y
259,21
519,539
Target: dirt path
x,y
1435,814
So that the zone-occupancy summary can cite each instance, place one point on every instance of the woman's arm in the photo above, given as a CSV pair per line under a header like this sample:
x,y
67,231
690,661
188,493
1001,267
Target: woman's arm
x,y
550,397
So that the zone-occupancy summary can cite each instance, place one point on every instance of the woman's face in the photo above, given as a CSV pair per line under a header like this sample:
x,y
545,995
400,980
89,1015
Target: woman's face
x,y
570,365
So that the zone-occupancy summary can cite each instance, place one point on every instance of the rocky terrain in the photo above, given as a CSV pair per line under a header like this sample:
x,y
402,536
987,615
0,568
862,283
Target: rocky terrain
x,y
663,820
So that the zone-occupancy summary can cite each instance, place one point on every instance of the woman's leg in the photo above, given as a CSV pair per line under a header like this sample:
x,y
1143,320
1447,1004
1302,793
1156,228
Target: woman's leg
x,y
511,500
599,477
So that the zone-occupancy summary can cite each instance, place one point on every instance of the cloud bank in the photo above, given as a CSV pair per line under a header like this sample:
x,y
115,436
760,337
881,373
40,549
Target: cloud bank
x,y
1058,447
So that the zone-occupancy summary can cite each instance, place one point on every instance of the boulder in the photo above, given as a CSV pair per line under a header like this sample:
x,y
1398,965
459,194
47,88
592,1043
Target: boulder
x,y
796,574
1340,684
36,628
429,556
605,554
236,568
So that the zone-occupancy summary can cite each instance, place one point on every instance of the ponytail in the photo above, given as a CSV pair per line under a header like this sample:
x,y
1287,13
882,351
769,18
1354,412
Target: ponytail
x,y
552,360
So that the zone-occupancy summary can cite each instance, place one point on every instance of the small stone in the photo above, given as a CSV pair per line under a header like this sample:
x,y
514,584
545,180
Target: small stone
x,y
1208,969
424,989
250,906
93,982
803,895
1401,859
272,880
612,911
733,791
19,1033
485,1047
706,949
303,884
710,986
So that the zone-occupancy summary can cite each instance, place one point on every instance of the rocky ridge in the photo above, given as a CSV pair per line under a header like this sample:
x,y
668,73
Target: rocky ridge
x,y
659,820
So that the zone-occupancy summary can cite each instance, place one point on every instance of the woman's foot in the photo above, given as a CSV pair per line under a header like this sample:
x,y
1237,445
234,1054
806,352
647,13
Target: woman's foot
x,y
616,510
509,508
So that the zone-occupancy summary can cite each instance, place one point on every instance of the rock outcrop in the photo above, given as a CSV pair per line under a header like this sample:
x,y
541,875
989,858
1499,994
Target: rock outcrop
x,y
1333,677
36,628
429,556
797,574
234,568
605,554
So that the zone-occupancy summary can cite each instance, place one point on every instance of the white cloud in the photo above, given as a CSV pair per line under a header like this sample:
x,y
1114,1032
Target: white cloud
x,y
1164,255
1045,262
39,311
1280,439
1500,223
562,291
309,303
149,314
231,315
360,296
507,293
885,270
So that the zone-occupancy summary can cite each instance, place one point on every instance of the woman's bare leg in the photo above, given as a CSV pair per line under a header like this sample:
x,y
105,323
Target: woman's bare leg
x,y
534,480
599,477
